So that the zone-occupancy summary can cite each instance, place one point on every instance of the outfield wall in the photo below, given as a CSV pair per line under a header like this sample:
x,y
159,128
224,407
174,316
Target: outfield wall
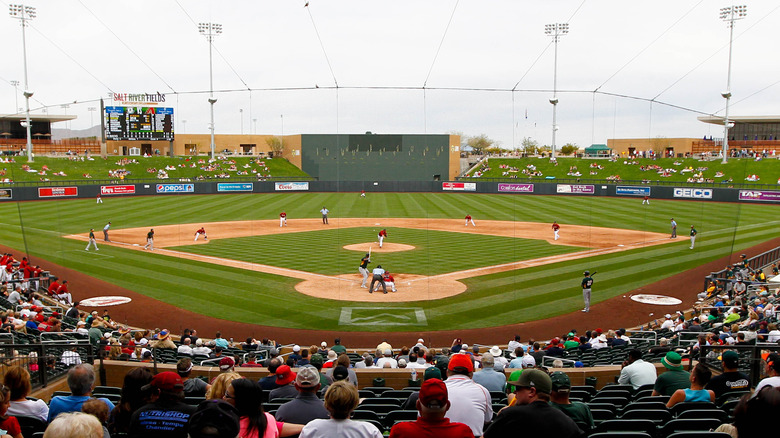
x,y
681,192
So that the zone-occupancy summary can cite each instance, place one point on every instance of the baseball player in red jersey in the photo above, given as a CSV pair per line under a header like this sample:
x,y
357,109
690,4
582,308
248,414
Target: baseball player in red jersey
x,y
282,219
555,228
469,219
389,282
199,232
381,236
362,193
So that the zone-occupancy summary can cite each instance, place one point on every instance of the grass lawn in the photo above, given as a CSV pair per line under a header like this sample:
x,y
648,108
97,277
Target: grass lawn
x,y
433,253
767,170
491,300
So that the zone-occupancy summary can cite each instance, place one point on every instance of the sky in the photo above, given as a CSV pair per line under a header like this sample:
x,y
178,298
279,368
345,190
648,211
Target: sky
x,y
626,69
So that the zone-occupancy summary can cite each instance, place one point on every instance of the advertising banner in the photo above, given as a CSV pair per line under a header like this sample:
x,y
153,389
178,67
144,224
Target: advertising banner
x,y
235,187
516,188
632,191
288,186
118,190
755,195
692,193
57,192
175,188
584,189
6,194
468,187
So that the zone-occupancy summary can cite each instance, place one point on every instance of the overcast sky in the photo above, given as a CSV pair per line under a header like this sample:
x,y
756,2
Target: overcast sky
x,y
422,66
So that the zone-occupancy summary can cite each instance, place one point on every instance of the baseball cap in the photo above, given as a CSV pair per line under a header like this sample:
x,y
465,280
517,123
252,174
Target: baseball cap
x,y
166,381
296,348
730,359
214,418
431,373
461,361
307,377
560,381
433,394
315,359
340,373
532,378
284,375
226,363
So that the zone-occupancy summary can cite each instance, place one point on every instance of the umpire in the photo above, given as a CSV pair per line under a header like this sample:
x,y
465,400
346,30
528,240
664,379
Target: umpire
x,y
378,276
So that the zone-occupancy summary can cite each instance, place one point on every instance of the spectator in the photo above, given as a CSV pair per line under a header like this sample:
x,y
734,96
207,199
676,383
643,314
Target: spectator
x,y
432,405
636,372
752,414
387,357
337,347
532,414
296,354
332,356
731,379
772,372
133,397
488,377
340,373
81,380
214,419
99,410
185,347
220,384
306,406
411,402
674,378
559,398
221,342
341,399
166,415
517,358
192,387
514,344
74,425
499,361
164,340
662,347
304,360
268,383
470,402
227,365
200,349
343,361
17,380
538,353
251,361
246,396
285,379
696,393
8,423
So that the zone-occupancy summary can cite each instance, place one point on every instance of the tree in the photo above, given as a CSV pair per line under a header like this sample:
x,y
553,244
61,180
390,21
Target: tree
x,y
276,146
659,145
480,144
569,149
530,146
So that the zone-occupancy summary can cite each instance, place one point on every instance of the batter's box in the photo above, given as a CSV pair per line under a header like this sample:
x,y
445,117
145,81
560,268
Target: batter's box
x,y
383,316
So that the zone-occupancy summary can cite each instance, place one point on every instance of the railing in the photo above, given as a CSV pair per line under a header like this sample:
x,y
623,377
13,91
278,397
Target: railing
x,y
523,179
760,261
750,358
44,361
232,179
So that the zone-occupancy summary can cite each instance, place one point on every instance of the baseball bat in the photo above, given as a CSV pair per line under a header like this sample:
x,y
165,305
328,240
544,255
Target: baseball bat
x,y
594,273
369,250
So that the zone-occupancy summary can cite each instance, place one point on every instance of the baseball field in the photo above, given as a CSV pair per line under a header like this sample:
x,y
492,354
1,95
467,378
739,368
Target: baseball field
x,y
507,270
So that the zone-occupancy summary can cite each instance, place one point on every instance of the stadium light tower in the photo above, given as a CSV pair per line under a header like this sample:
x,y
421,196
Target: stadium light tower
x,y
24,14
210,31
91,110
729,14
556,31
15,84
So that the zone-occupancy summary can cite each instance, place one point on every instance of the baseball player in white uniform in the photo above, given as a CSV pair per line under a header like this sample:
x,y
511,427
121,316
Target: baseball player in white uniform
x,y
282,219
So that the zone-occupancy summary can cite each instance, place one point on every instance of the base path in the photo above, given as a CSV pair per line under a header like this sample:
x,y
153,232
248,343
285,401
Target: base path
x,y
410,287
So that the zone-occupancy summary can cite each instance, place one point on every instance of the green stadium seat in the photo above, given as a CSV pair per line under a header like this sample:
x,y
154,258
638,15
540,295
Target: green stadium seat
x,y
630,425
718,414
697,434
688,424
395,416
658,416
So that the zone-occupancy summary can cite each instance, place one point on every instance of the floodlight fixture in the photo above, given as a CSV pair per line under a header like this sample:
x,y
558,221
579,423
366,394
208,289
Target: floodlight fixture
x,y
729,14
556,31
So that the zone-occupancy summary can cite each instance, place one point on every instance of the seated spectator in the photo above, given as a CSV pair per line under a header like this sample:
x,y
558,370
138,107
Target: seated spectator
x,y
185,347
17,380
217,419
432,405
752,413
192,387
246,396
133,397
772,371
338,348
341,399
559,398
662,347
332,356
81,380
696,393
285,379
674,378
99,410
166,415
306,406
8,423
488,376
343,360
201,349
295,356
499,360
731,379
74,425
470,401
219,385
268,382
636,372
387,357
251,361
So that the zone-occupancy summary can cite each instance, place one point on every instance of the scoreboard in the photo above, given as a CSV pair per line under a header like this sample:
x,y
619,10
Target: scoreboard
x,y
139,123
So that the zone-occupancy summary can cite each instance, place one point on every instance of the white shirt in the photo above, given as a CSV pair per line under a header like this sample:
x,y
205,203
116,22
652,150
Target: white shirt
x,y
378,271
202,350
381,362
184,349
470,403
514,345
768,381
70,358
668,324
324,211
339,428
637,374
28,408
773,336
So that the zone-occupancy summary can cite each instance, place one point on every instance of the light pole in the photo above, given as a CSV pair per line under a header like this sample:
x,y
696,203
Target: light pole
x,y
254,125
241,116
15,84
24,14
729,14
556,31
210,31
65,107
91,110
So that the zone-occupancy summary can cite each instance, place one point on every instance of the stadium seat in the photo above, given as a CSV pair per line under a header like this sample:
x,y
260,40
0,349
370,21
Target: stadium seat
x,y
387,401
583,396
377,390
654,398
376,423
658,416
604,406
380,410
620,425
364,393
689,406
600,415
730,395
399,394
587,388
697,434
688,424
194,401
399,415
643,393
643,405
718,414
619,402
497,395
623,434
30,425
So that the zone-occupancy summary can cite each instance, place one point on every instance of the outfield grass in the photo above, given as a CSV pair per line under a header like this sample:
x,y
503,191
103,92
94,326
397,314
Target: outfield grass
x,y
491,300
737,170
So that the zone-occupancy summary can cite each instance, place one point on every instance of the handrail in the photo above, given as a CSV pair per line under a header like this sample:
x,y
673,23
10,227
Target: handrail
x,y
722,184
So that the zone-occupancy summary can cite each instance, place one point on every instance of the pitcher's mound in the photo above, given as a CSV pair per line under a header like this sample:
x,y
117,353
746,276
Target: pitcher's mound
x,y
386,247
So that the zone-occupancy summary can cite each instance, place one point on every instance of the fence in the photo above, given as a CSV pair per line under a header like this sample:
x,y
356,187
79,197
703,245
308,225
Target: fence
x,y
46,358
761,261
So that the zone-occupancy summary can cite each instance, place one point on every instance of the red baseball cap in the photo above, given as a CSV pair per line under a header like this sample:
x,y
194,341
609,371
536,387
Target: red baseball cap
x,y
284,375
461,361
226,363
434,390
167,381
